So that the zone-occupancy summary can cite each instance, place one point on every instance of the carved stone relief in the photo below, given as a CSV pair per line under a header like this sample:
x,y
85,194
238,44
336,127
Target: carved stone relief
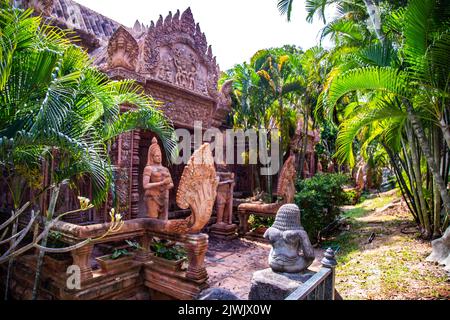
x,y
176,51
122,50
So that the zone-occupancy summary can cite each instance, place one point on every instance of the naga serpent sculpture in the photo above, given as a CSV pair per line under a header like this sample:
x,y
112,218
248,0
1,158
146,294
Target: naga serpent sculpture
x,y
197,190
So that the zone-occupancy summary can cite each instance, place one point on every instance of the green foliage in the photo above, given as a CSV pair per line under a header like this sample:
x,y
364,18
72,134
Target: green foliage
x,y
256,222
168,250
133,244
56,106
117,253
319,198
54,240
351,197
121,252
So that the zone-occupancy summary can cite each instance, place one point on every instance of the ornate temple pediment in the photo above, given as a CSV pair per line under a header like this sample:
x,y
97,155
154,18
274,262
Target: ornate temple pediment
x,y
174,51
123,50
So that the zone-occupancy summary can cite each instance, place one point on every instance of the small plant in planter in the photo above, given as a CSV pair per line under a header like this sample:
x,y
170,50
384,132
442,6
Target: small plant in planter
x,y
168,254
118,258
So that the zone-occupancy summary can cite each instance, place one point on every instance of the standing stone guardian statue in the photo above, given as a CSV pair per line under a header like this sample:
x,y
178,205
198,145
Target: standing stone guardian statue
x,y
291,251
224,227
157,182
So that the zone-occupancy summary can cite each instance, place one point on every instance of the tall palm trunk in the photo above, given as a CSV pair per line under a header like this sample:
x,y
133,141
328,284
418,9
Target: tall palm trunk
x,y
410,175
415,160
445,128
375,19
436,197
304,142
424,145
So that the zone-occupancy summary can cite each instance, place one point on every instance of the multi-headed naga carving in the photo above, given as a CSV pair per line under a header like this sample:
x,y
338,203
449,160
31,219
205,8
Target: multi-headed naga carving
x,y
197,190
123,50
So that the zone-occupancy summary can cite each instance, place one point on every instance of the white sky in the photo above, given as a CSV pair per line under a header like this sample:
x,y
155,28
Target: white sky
x,y
236,29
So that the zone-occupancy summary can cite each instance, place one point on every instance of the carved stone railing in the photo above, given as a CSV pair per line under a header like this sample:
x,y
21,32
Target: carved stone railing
x,y
321,286
175,285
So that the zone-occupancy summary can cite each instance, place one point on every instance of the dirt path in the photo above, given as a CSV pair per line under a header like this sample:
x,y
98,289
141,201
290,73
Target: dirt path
x,y
392,265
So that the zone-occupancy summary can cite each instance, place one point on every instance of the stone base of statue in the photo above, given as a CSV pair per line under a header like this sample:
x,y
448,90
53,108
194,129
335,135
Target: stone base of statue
x,y
269,285
223,231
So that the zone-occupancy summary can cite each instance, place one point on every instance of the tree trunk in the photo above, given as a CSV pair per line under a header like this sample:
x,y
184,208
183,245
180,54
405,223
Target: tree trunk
x,y
407,196
410,175
436,197
419,182
50,213
375,19
418,129
304,142
11,261
445,131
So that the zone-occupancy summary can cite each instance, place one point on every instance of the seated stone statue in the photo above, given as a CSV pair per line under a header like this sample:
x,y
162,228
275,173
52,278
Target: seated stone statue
x,y
289,239
157,182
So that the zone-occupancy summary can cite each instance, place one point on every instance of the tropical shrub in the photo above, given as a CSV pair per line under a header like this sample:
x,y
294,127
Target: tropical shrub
x,y
318,199
351,197
256,222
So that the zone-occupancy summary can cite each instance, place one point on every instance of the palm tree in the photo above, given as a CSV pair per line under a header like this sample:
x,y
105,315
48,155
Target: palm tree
x,y
410,86
59,114
281,76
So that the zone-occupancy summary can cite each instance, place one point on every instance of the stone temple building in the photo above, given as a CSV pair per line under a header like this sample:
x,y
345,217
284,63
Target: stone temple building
x,y
172,62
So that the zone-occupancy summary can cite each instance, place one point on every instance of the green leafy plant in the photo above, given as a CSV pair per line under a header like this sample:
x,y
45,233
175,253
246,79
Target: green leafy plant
x,y
168,250
54,240
256,222
117,253
351,197
319,199
135,245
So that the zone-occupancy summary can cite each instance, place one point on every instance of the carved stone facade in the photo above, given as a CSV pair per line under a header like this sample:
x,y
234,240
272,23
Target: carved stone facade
x,y
169,59
176,51
122,50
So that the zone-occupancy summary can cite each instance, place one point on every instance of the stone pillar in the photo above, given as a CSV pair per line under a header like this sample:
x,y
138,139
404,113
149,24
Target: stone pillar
x,y
243,222
196,247
329,262
124,171
134,192
270,285
82,258
144,253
